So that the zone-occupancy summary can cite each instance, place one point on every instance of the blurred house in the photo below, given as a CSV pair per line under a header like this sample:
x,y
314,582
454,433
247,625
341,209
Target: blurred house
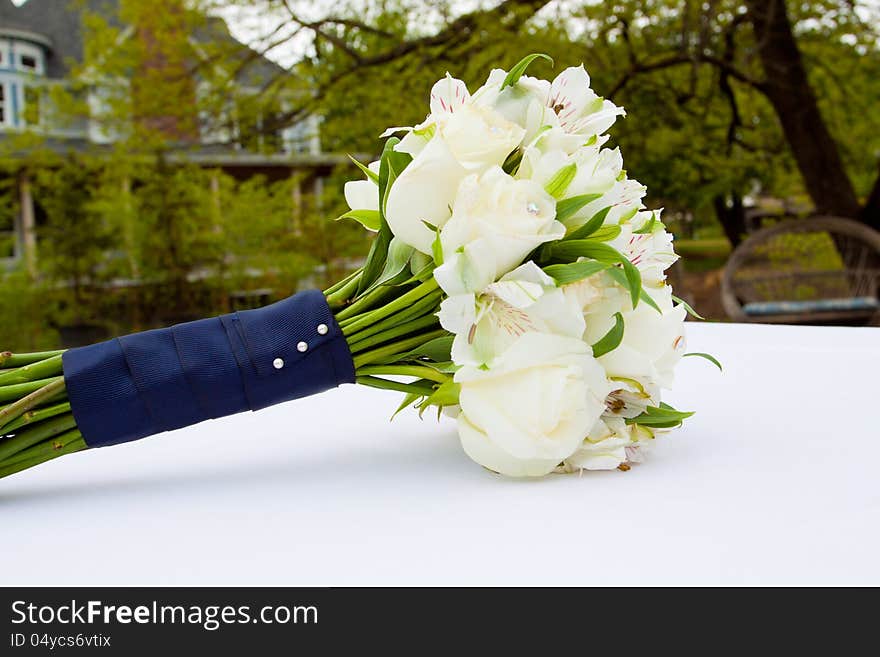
x,y
39,42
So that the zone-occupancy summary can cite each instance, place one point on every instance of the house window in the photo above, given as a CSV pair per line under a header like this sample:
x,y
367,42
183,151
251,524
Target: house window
x,y
28,58
32,105
4,105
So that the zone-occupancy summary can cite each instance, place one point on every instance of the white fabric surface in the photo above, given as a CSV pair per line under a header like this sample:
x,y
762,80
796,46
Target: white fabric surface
x,y
776,480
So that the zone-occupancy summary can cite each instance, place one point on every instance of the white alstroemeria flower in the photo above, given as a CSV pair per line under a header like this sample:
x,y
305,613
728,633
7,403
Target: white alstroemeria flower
x,y
532,409
630,398
605,448
580,110
610,444
447,95
524,300
363,194
624,198
496,222
652,253
424,192
597,171
652,345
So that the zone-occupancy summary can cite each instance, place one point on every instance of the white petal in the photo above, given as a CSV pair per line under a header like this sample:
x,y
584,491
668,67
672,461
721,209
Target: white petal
x,y
424,191
447,95
362,195
480,449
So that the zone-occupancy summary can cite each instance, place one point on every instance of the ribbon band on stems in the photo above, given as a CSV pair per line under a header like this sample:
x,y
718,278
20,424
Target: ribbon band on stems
x,y
146,383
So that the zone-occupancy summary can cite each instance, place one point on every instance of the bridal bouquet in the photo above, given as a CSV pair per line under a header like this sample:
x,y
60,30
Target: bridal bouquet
x,y
515,282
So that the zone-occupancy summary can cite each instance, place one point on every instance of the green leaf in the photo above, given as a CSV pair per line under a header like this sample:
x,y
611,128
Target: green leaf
x,y
446,368
445,395
635,281
649,227
644,296
391,164
575,271
369,219
569,206
611,340
439,350
375,259
369,173
687,307
605,233
437,249
512,162
708,357
422,274
395,163
571,250
398,257
409,399
594,224
620,277
662,417
560,180
517,71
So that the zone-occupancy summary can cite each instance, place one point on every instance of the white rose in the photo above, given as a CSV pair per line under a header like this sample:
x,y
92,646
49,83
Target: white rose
x,y
533,408
472,139
522,103
423,192
524,300
480,137
496,222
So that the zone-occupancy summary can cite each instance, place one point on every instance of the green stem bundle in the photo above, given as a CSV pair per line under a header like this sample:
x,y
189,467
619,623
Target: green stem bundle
x,y
382,325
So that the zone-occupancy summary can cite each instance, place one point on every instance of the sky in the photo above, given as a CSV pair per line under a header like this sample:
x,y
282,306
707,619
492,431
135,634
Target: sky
x,y
251,24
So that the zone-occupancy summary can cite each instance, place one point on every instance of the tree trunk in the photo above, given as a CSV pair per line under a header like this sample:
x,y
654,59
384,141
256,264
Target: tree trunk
x,y
871,211
732,219
789,91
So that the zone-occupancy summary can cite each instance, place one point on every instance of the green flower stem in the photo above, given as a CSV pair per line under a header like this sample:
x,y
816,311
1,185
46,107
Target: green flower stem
x,y
340,296
366,302
34,399
37,415
19,390
385,384
400,303
399,347
359,346
418,309
44,449
418,371
75,446
8,359
35,434
39,370
345,281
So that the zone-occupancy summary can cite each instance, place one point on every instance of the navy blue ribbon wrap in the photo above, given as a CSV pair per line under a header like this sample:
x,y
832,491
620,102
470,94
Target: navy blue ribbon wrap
x,y
145,383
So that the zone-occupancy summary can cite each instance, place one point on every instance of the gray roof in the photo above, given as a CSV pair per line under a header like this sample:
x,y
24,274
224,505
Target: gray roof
x,y
61,22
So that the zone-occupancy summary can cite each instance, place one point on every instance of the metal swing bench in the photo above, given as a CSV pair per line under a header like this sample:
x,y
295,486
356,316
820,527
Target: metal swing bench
x,y
822,270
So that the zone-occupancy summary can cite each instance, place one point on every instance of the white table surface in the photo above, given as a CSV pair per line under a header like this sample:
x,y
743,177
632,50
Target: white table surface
x,y
776,480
